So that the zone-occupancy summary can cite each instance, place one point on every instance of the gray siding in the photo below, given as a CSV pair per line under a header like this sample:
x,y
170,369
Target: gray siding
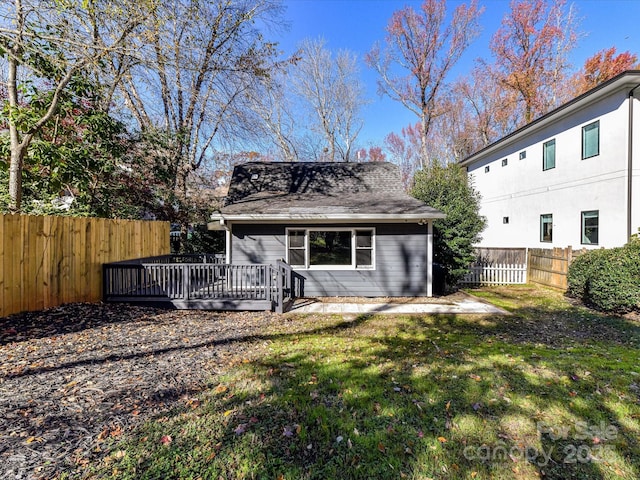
x,y
401,260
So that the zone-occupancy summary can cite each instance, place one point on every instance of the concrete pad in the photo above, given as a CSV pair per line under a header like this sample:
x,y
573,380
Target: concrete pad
x,y
460,307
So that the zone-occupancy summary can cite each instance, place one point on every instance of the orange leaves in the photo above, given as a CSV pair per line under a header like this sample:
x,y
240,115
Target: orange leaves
x,y
166,440
34,439
112,432
220,389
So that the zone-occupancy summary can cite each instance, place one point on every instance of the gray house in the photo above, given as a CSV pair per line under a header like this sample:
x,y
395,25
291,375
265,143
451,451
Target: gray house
x,y
348,228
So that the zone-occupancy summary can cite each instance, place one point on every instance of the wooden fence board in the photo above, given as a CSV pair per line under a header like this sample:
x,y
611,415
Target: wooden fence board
x,y
499,266
550,266
47,261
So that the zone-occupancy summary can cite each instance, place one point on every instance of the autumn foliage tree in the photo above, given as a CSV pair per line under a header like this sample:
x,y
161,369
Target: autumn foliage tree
x,y
404,151
601,67
531,54
421,49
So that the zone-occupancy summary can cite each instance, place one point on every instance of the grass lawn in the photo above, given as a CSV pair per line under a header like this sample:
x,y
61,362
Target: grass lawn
x,y
551,391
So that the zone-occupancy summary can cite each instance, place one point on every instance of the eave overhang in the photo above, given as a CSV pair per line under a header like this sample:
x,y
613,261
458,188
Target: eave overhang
x,y
220,220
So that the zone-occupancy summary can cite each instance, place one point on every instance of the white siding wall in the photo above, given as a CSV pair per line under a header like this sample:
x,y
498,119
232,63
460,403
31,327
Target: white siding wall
x,y
522,191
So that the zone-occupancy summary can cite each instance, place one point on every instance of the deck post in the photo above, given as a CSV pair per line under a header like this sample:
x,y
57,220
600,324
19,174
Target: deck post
x,y
280,289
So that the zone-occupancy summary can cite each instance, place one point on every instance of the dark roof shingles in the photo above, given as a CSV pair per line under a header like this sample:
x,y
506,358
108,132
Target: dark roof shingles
x,y
318,188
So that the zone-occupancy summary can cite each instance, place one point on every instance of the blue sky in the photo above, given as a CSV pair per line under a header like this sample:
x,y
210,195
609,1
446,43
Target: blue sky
x,y
356,25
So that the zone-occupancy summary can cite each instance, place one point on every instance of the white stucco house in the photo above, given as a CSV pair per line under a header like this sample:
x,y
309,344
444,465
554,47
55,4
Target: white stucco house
x,y
569,178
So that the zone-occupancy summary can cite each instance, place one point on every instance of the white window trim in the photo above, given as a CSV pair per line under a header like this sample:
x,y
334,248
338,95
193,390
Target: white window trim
x,y
307,250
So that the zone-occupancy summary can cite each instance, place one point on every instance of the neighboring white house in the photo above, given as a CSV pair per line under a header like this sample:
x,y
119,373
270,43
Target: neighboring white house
x,y
571,177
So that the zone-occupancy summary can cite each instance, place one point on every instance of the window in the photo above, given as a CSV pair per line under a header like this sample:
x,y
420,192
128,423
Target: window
x,y
589,227
486,169
296,247
505,161
546,227
591,140
505,220
333,248
549,154
523,155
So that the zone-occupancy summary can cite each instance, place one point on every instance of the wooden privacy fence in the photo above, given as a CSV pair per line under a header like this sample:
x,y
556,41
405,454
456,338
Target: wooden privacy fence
x,y
46,261
504,266
549,266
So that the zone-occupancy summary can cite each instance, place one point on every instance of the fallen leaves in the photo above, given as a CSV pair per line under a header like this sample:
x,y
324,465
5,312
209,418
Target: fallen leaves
x,y
220,389
82,374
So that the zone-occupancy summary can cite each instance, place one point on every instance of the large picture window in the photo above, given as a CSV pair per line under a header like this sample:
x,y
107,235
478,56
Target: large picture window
x,y
591,140
549,155
546,227
331,248
589,227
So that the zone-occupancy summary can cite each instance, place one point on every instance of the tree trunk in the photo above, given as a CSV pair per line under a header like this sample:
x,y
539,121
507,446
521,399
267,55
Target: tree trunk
x,y
424,160
18,148
15,177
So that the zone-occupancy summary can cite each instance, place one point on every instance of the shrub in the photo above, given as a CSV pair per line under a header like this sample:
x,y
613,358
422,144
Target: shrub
x,y
449,189
580,271
608,279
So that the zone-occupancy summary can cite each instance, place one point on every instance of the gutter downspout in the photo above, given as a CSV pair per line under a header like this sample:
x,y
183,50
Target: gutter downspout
x,y
630,164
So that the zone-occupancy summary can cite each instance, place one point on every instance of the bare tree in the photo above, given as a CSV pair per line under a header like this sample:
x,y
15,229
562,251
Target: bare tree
x,y
425,49
202,59
274,109
331,90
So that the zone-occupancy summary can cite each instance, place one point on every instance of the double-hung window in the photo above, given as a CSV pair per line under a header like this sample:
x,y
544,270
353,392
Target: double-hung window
x,y
591,140
549,154
546,227
331,248
589,227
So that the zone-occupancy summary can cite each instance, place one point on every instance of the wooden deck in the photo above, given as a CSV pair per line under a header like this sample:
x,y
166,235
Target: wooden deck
x,y
201,282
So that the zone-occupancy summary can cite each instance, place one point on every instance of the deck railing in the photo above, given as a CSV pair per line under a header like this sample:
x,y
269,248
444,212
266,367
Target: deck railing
x,y
189,277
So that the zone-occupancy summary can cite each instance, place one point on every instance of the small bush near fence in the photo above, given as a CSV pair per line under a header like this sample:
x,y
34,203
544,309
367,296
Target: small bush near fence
x,y
608,279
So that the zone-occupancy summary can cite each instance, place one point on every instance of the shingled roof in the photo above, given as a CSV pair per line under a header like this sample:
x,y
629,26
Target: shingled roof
x,y
320,190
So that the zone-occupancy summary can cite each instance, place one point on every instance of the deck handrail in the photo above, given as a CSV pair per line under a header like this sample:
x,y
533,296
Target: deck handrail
x,y
153,277
217,258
